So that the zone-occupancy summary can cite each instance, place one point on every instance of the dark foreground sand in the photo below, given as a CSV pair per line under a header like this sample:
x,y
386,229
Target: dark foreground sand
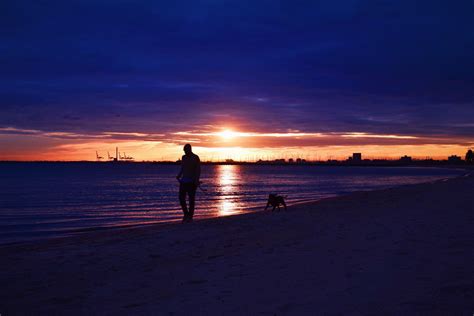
x,y
402,251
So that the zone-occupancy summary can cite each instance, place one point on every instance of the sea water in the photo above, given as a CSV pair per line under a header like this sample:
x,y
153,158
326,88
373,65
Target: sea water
x,y
43,200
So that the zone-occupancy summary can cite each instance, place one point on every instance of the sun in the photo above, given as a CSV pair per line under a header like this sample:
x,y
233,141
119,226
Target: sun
x,y
227,134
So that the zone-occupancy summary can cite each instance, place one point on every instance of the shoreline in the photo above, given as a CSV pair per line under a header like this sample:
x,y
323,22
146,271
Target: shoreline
x,y
124,228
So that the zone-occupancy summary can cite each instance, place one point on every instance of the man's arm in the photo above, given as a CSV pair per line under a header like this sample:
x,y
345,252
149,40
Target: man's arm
x,y
198,170
180,171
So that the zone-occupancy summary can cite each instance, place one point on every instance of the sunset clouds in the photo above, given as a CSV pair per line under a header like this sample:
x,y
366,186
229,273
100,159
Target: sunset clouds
x,y
221,144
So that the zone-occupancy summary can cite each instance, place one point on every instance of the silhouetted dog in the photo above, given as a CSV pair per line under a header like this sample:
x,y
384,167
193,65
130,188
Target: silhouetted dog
x,y
275,201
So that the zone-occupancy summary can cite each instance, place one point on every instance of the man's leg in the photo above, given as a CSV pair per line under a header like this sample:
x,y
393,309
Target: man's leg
x,y
192,198
182,198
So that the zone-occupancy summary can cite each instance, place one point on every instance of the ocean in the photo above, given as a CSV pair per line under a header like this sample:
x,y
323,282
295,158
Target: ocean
x,y
46,200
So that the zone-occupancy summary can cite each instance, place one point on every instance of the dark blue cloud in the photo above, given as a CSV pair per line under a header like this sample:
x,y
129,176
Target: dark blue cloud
x,y
402,67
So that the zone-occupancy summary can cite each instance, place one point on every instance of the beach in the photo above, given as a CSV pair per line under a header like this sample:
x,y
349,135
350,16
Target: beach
x,y
399,251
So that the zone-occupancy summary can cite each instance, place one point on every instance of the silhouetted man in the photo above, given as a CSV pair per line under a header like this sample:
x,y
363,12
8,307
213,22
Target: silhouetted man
x,y
188,178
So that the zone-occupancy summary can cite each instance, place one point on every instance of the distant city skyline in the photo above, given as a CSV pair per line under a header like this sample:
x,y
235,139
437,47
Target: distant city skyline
x,y
236,79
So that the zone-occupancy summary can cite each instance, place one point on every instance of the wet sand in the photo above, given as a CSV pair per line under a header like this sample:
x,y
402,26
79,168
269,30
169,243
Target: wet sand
x,y
401,251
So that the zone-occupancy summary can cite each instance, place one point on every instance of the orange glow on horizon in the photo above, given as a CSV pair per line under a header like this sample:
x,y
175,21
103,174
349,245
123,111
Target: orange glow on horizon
x,y
147,151
223,144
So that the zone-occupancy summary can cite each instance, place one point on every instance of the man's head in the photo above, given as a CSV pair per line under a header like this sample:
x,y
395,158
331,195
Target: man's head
x,y
188,149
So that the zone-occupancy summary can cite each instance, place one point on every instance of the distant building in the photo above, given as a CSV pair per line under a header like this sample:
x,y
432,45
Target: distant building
x,y
454,159
356,157
291,160
405,159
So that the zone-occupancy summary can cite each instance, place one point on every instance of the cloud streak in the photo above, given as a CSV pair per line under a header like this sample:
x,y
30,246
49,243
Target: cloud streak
x,y
220,138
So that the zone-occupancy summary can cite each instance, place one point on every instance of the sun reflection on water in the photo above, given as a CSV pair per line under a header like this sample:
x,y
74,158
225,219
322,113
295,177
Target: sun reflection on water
x,y
227,176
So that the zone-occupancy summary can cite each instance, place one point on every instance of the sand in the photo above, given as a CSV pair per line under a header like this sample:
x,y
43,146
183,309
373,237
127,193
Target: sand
x,y
400,251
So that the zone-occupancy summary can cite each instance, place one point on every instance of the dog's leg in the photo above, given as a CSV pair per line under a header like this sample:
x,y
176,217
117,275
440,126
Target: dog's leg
x,y
268,204
284,204
273,208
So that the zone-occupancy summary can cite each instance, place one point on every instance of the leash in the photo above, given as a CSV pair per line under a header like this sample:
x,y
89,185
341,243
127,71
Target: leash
x,y
199,186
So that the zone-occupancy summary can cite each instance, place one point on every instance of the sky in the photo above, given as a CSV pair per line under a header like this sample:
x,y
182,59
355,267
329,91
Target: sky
x,y
240,80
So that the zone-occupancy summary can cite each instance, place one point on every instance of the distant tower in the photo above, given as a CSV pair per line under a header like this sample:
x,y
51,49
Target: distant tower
x,y
356,157
116,154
